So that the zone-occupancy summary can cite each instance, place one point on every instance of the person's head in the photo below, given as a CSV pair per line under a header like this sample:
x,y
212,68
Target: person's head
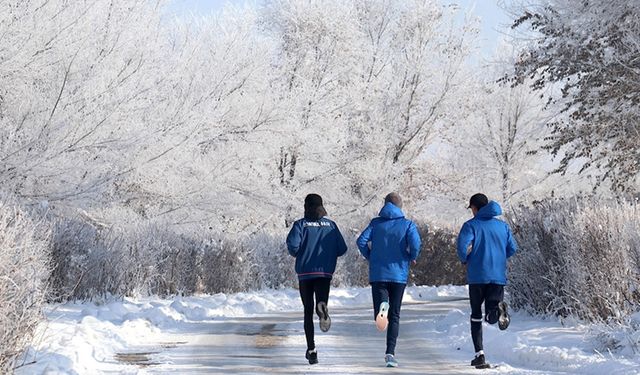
x,y
477,201
313,208
393,198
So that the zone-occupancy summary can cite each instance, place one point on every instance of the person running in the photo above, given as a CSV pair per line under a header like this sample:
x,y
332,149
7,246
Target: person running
x,y
390,242
491,244
316,243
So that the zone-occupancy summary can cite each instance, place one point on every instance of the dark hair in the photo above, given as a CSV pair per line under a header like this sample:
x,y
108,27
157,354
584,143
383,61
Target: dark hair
x,y
313,209
478,201
393,198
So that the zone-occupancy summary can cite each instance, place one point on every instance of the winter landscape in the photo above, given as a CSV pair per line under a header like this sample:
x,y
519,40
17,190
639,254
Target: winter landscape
x,y
154,156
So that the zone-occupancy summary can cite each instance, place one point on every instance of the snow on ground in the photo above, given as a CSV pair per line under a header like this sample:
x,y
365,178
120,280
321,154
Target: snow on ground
x,y
90,338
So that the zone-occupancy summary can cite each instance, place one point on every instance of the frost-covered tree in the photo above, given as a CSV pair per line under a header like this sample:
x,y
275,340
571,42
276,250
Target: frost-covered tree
x,y
510,134
505,135
221,125
229,120
410,89
108,105
367,86
313,61
79,95
591,49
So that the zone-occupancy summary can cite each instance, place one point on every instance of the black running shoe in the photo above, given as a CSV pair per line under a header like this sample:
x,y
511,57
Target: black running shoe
x,y
503,319
312,356
479,362
323,314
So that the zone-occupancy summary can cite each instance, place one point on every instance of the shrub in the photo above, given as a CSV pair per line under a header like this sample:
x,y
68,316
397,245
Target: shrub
x,y
577,257
275,265
77,253
352,268
438,263
149,259
94,261
229,266
177,261
24,266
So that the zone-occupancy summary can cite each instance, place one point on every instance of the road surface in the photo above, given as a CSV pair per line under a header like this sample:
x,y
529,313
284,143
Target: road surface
x,y
276,344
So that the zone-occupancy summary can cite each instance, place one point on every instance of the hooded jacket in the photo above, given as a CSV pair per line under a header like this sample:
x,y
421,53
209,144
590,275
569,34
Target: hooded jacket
x,y
491,243
316,245
389,243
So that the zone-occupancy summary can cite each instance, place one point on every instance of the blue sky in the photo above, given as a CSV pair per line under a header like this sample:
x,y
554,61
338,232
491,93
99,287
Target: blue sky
x,y
200,6
494,21
492,16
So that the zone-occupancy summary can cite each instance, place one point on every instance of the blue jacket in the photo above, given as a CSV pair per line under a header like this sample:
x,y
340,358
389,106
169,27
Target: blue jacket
x,y
492,243
394,243
316,245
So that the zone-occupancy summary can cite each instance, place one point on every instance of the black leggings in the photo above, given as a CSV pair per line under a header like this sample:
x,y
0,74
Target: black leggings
x,y
391,293
490,295
320,287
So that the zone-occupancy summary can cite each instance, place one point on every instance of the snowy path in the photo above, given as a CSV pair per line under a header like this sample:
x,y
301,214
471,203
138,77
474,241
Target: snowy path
x,y
261,333
275,344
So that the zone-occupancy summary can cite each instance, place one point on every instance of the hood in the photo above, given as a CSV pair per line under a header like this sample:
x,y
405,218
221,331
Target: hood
x,y
390,211
491,210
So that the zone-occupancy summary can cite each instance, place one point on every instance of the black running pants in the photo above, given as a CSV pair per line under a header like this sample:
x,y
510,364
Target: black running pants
x,y
391,293
490,295
308,288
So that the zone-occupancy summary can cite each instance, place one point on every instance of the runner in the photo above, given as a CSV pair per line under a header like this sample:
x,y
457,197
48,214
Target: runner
x,y
316,243
390,242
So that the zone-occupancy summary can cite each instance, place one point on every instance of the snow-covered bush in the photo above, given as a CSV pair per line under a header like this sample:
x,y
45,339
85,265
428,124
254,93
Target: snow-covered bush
x,y
622,337
74,242
24,267
177,258
93,261
438,263
577,257
352,269
275,265
229,266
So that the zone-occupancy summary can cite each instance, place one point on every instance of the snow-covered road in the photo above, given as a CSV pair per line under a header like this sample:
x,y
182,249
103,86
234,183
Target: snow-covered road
x,y
261,332
275,344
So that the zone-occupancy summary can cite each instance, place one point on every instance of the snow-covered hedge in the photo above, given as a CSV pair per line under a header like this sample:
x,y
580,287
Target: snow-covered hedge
x,y
438,263
95,261
24,268
577,257
92,261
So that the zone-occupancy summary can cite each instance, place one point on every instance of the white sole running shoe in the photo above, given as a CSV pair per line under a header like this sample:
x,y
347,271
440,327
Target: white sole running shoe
x,y
381,319
323,313
390,360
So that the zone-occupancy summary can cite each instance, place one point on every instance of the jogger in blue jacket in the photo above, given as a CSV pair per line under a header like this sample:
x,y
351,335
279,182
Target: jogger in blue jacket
x,y
390,243
316,243
491,243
